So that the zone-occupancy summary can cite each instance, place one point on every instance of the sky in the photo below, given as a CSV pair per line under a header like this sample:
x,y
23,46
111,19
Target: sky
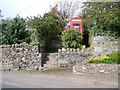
x,y
24,8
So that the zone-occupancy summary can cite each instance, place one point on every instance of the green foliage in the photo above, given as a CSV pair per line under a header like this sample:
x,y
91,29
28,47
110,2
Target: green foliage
x,y
71,38
14,31
106,15
115,56
24,44
47,29
83,46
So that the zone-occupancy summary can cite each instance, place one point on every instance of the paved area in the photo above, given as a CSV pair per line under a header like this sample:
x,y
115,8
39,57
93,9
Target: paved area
x,y
22,79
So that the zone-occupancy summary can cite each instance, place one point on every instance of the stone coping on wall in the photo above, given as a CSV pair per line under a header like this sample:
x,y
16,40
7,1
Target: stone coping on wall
x,y
75,50
17,46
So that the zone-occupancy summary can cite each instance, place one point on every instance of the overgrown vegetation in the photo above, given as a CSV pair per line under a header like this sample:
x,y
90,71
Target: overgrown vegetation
x,y
71,38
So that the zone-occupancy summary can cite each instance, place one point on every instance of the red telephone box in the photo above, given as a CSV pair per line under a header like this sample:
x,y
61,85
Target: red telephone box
x,y
76,23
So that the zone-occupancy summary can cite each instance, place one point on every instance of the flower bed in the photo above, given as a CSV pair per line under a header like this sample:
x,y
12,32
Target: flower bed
x,y
112,58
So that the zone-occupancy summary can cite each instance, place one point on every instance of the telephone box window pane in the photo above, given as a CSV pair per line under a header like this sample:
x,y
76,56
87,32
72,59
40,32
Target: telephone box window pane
x,y
76,26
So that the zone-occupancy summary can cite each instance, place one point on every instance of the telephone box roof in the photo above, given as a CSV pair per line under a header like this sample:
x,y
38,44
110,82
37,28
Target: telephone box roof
x,y
76,18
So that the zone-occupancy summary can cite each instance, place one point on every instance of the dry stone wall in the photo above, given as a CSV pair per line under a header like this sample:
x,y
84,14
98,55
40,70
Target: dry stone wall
x,y
102,45
19,57
69,56
81,68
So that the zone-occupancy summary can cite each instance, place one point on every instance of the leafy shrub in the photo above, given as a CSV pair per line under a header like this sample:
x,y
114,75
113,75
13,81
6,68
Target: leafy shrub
x,y
71,38
46,30
83,46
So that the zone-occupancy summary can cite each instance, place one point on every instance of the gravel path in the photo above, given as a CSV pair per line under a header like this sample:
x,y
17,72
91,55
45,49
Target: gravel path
x,y
59,80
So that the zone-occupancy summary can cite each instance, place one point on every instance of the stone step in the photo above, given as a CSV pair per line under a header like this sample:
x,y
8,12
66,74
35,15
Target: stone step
x,y
52,61
50,64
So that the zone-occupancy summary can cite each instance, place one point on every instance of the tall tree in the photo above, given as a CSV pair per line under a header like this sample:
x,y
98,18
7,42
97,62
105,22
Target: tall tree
x,y
67,9
104,14
15,31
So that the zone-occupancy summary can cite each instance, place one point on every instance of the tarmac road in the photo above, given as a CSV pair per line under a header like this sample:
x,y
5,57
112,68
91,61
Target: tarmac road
x,y
10,85
14,79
